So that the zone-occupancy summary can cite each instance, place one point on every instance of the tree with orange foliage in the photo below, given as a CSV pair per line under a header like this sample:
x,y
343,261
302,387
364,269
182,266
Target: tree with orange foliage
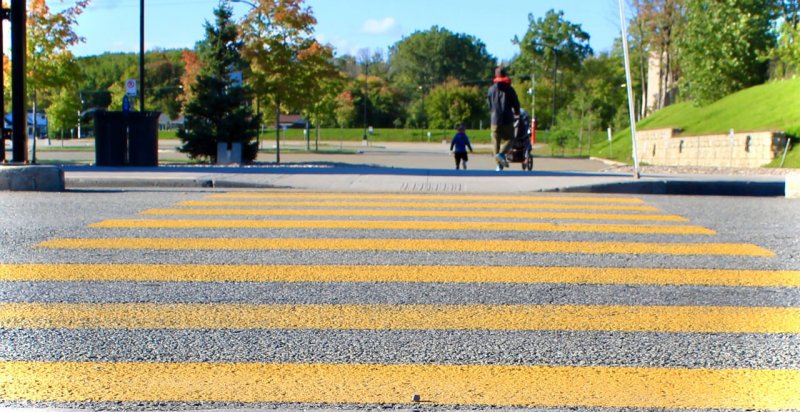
x,y
192,66
289,67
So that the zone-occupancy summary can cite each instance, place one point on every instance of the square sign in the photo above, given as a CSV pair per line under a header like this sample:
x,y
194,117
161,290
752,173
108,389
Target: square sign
x,y
130,87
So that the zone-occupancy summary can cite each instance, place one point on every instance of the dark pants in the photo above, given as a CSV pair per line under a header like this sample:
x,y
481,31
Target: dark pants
x,y
459,157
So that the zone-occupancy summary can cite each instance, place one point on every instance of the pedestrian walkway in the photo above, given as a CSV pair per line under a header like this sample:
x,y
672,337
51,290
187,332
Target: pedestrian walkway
x,y
311,333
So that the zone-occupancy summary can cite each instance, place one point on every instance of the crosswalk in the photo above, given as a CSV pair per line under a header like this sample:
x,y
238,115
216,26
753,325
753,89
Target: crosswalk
x,y
376,308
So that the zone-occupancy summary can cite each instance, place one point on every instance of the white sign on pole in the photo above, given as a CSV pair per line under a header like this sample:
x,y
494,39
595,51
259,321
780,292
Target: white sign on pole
x,y
130,87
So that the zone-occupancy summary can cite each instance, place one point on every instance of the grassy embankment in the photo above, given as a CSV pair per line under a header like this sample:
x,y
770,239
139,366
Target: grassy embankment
x,y
772,106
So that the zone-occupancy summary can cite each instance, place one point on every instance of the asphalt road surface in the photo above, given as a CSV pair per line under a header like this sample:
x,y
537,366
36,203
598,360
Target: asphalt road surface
x,y
181,300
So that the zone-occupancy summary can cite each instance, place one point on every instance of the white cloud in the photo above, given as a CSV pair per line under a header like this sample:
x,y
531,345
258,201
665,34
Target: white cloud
x,y
384,26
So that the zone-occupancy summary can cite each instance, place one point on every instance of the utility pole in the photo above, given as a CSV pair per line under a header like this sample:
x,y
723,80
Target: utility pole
x,y
18,55
141,55
5,14
366,93
555,84
629,85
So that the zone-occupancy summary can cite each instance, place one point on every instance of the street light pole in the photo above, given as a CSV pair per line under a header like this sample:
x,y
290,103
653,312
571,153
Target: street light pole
x,y
555,83
141,55
366,98
630,90
5,14
18,62
258,101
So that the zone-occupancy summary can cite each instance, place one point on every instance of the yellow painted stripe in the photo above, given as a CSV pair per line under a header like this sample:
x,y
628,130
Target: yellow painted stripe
x,y
453,274
414,213
482,385
399,225
686,319
377,196
428,245
413,205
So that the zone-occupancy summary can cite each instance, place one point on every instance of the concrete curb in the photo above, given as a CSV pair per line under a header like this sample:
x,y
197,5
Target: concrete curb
x,y
31,178
793,186
687,187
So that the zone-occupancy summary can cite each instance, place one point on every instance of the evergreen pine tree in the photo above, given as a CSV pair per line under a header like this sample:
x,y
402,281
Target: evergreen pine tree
x,y
219,111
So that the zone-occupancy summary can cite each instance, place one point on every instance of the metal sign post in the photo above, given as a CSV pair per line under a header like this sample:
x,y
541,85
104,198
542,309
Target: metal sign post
x,y
630,89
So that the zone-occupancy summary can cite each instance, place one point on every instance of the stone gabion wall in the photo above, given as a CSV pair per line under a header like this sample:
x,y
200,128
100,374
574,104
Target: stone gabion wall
x,y
664,147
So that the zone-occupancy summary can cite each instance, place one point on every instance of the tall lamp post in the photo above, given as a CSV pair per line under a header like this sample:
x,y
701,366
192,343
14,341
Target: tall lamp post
x,y
631,108
141,54
258,101
18,63
5,14
366,95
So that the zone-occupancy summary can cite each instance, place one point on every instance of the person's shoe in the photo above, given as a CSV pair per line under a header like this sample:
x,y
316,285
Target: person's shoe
x,y
498,168
501,159
465,165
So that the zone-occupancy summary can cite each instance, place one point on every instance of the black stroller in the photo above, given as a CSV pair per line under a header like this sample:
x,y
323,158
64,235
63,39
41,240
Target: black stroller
x,y
522,145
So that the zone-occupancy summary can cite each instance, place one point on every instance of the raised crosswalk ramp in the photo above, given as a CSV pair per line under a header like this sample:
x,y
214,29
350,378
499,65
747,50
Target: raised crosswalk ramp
x,y
365,335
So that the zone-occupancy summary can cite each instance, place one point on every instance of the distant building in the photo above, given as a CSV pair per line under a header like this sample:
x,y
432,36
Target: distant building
x,y
662,90
292,121
165,123
41,124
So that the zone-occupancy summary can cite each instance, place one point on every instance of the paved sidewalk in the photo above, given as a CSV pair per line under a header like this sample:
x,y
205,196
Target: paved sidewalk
x,y
377,179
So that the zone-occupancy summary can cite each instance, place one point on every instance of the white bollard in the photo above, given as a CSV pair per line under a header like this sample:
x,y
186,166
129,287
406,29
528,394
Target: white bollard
x,y
793,186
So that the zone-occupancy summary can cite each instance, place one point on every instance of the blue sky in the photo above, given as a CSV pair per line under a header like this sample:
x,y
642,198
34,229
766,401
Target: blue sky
x,y
349,25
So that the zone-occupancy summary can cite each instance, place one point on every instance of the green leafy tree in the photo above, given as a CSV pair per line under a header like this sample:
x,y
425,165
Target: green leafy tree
x,y
552,43
63,111
163,72
50,63
345,110
428,58
288,66
384,102
452,103
787,51
220,110
659,24
600,81
724,46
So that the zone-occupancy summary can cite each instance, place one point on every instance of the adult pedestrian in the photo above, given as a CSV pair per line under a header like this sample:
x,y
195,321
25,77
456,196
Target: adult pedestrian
x,y
504,105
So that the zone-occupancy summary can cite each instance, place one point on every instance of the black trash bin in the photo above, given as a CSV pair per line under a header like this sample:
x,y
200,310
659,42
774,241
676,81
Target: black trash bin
x,y
126,138
143,139
110,144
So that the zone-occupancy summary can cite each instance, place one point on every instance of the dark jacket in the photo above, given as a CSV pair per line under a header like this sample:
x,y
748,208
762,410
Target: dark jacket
x,y
503,102
461,143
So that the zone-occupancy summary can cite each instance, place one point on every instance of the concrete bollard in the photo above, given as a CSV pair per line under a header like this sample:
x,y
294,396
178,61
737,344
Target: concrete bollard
x,y
31,178
793,186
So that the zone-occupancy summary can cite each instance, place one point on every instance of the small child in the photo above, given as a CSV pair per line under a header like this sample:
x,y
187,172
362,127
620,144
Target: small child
x,y
461,144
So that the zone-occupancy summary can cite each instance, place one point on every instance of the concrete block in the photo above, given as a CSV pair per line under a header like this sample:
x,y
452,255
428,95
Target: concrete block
x,y
229,153
793,186
31,178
